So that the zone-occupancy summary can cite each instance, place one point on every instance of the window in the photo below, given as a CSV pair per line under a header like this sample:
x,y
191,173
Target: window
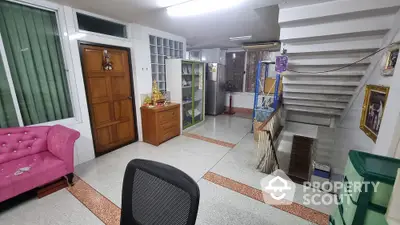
x,y
235,70
36,89
253,57
93,24
161,49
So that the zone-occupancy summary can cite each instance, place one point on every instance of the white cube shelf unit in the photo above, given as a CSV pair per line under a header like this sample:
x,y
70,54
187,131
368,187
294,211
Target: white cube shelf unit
x,y
161,49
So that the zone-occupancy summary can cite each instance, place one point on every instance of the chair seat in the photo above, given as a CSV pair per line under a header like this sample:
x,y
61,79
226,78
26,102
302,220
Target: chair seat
x,y
44,167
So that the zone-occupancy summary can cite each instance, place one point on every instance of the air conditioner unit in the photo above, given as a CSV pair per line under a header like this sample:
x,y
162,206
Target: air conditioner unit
x,y
270,46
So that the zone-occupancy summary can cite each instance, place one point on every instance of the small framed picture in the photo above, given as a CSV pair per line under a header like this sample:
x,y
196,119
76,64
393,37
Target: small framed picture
x,y
373,108
390,61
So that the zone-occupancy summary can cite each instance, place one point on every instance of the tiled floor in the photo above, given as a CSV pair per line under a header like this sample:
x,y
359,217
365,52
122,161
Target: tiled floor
x,y
193,156
58,208
221,206
240,163
224,128
101,181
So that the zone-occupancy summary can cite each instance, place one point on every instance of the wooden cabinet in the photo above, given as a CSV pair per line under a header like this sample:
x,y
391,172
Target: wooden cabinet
x,y
160,123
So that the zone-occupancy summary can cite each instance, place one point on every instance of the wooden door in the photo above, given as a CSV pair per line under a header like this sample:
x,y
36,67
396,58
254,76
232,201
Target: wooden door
x,y
110,97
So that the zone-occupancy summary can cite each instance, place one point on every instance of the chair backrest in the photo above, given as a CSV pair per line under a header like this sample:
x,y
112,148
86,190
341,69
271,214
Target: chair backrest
x,y
19,142
158,194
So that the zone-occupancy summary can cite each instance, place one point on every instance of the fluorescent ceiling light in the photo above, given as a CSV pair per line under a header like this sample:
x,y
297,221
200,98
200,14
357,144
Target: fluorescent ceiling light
x,y
166,3
197,7
241,38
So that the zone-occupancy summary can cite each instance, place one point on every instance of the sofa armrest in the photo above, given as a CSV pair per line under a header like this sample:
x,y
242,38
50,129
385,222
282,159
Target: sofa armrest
x,y
60,142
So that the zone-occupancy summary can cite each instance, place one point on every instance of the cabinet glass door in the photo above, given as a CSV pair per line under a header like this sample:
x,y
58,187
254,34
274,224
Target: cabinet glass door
x,y
187,91
198,88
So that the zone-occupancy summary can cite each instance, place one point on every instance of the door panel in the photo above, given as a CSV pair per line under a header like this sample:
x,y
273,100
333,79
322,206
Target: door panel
x,y
102,113
110,97
92,57
119,88
123,130
122,109
98,89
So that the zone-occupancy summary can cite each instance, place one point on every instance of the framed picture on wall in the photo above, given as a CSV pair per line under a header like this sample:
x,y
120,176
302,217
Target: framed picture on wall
x,y
373,108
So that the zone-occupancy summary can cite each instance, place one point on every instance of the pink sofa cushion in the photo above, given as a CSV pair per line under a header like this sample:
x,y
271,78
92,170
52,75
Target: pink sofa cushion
x,y
45,167
19,142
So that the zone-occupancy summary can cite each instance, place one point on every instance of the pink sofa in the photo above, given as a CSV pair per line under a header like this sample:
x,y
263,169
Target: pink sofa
x,y
33,156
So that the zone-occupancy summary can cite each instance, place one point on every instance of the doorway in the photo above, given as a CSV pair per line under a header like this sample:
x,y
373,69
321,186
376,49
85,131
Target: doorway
x,y
109,91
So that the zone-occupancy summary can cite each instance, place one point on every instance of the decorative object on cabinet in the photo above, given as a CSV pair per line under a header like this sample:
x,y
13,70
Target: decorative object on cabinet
x,y
186,85
147,101
161,49
390,61
160,123
373,108
366,205
157,97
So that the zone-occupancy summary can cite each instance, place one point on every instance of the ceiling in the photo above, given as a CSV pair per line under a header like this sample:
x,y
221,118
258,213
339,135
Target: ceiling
x,y
258,18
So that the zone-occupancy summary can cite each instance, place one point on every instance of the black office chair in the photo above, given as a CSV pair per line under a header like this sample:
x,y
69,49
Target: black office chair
x,y
154,193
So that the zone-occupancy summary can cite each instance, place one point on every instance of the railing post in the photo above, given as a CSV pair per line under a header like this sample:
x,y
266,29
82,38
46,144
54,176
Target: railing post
x,y
276,94
256,93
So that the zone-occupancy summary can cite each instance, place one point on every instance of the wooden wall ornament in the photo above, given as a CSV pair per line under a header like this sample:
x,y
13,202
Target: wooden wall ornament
x,y
107,64
373,109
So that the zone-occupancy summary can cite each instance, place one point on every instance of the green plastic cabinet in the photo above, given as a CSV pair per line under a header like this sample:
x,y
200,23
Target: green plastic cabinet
x,y
366,207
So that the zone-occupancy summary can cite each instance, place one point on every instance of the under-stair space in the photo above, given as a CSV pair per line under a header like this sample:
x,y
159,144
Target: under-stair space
x,y
324,37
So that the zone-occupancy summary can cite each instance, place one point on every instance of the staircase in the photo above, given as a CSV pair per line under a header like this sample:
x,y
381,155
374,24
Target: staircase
x,y
326,36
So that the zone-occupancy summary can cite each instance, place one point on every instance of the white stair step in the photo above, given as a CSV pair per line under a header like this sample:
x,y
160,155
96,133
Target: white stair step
x,y
316,82
317,97
310,91
326,111
327,61
335,105
335,73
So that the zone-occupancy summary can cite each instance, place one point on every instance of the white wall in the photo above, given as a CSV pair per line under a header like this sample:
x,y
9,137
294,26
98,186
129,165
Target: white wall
x,y
243,99
349,134
137,42
211,55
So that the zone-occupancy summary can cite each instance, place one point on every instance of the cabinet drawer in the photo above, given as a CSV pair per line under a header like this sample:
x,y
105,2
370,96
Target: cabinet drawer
x,y
348,208
374,218
351,175
169,133
336,217
169,124
168,116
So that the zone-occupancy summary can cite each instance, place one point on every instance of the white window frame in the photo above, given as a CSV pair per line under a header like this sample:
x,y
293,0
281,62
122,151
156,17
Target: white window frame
x,y
64,42
127,27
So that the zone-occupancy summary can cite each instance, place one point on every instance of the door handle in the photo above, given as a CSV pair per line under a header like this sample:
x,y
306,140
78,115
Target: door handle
x,y
130,97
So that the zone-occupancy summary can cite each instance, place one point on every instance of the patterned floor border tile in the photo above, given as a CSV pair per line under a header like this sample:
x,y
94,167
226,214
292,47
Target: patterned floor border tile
x,y
99,205
256,194
214,141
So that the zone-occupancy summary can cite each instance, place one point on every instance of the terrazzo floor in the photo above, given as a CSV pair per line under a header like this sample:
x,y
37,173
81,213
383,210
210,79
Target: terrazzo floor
x,y
221,145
